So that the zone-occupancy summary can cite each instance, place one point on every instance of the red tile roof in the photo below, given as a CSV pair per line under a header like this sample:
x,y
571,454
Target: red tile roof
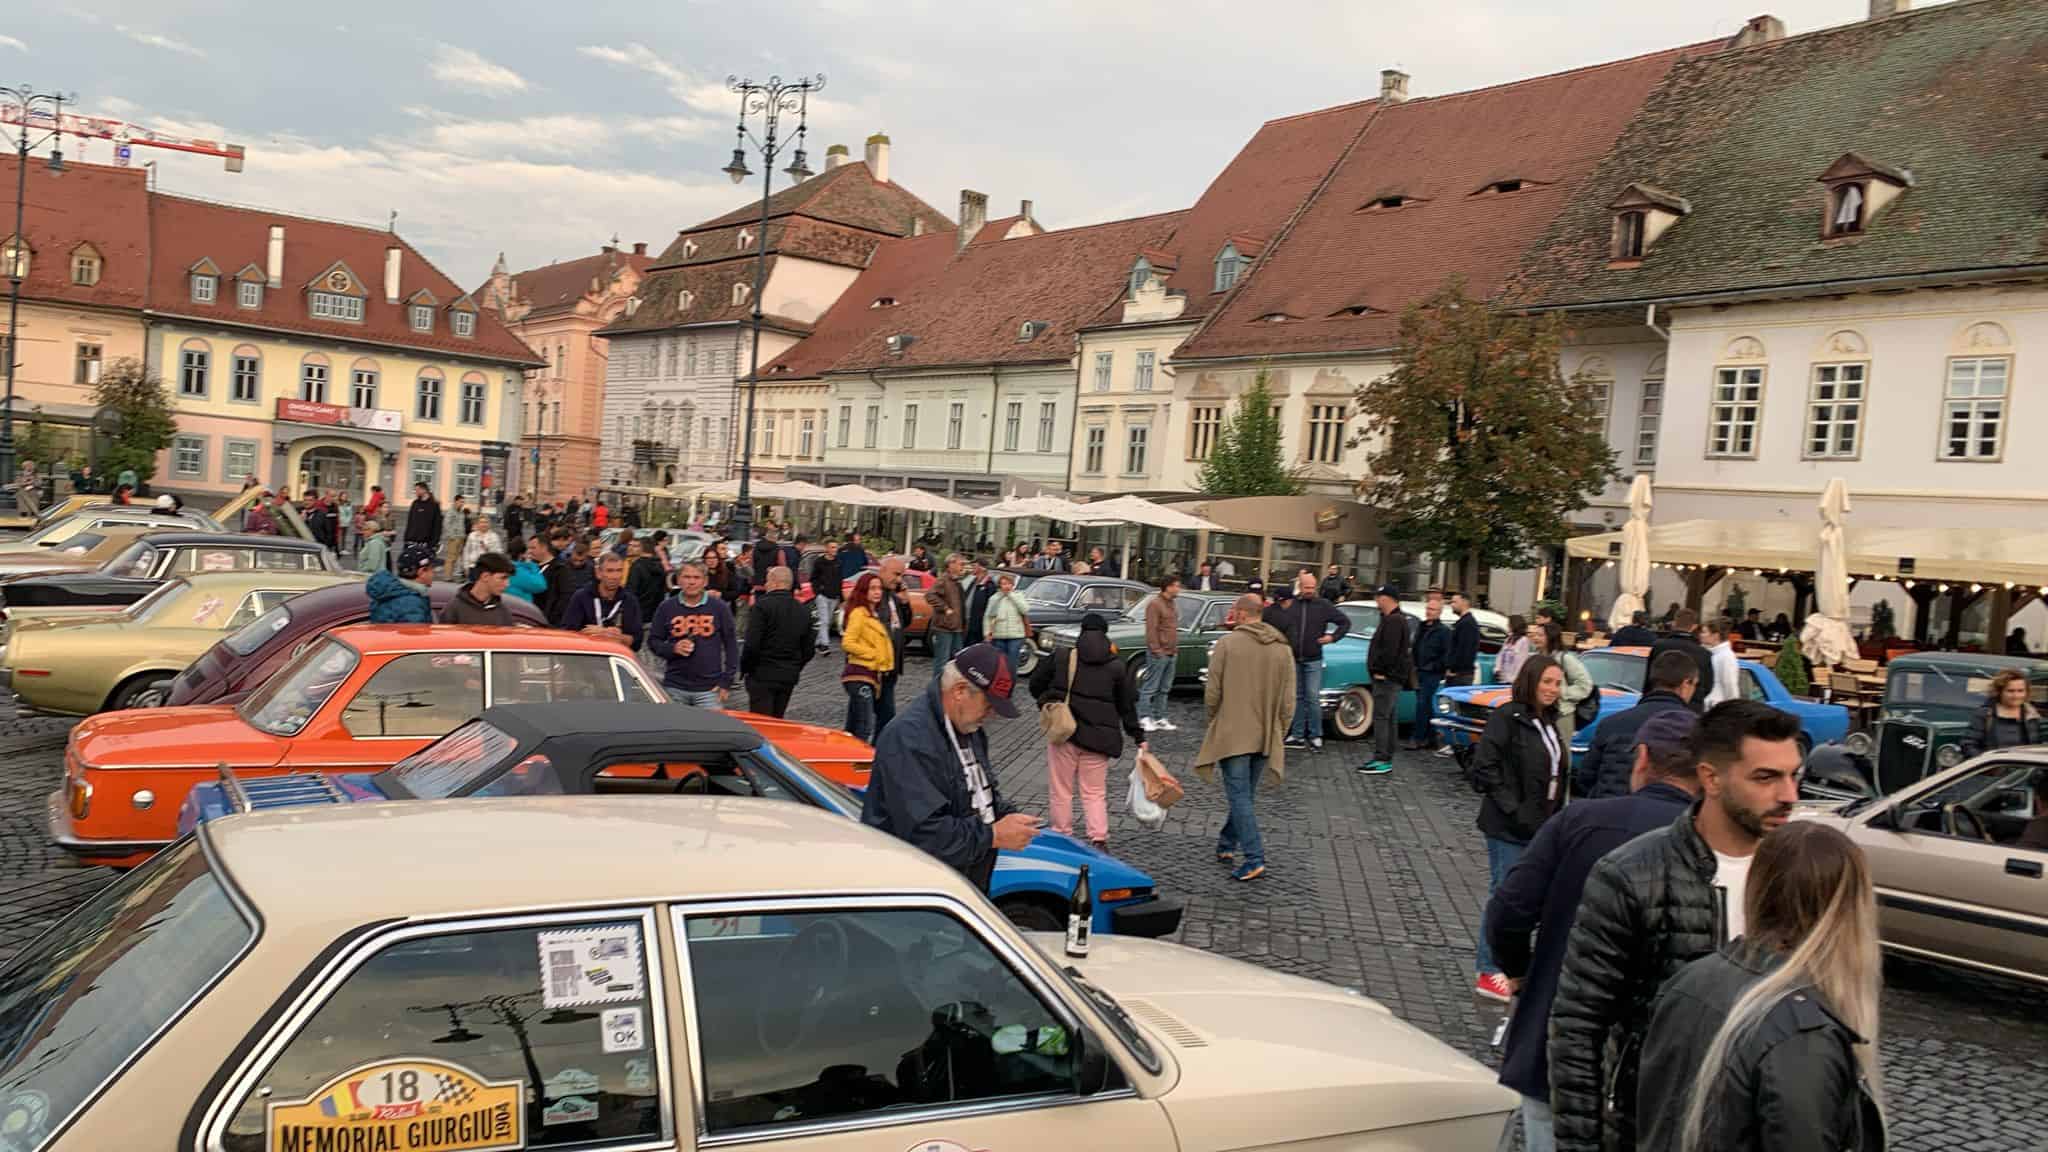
x,y
902,272
559,286
188,231
1549,132
971,311
85,204
844,195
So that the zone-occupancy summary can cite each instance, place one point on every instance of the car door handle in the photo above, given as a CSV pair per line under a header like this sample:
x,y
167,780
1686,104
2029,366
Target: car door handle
x,y
2014,866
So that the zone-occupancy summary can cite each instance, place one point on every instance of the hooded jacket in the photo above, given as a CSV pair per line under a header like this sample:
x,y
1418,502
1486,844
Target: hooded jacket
x,y
918,790
1104,704
1250,698
648,584
527,581
1612,756
396,601
465,608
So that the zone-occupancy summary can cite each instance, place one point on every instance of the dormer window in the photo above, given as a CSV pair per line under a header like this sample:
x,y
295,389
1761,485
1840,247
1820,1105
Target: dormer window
x,y
689,249
422,317
1277,318
85,266
1353,310
1140,272
204,287
249,294
1858,189
1229,263
1628,235
632,305
463,324
1848,213
684,298
1029,330
14,258
746,239
1641,214
1501,187
739,294
1386,203
897,343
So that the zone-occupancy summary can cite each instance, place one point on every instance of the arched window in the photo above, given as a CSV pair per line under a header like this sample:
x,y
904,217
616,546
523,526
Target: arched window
x,y
195,368
739,293
313,378
1228,265
427,397
363,378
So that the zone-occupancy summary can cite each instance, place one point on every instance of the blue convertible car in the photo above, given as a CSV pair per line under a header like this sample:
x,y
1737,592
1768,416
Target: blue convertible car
x,y
659,750
1618,672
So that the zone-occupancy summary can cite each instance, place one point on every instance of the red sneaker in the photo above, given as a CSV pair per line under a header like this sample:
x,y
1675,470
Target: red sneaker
x,y
1492,986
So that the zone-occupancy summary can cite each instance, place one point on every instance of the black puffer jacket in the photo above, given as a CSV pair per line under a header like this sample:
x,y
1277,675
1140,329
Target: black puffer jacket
x,y
778,639
1792,1083
1650,908
1518,782
1104,703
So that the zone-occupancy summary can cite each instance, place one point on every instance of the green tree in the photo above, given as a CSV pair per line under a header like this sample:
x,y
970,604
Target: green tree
x,y
1791,667
1481,448
143,406
1246,458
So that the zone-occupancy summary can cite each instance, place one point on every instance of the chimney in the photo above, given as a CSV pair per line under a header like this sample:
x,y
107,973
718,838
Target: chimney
x,y
640,248
273,268
1024,210
1879,9
973,214
1766,28
1393,85
878,157
835,156
391,258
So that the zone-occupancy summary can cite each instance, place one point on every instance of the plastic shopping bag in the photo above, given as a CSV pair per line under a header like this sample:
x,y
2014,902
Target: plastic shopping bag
x,y
1141,806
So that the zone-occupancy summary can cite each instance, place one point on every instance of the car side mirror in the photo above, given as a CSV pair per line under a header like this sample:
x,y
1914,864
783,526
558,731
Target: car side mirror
x,y
1094,1063
1885,818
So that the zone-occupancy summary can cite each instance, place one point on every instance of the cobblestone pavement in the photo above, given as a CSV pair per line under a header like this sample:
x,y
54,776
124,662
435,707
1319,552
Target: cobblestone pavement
x,y
1373,882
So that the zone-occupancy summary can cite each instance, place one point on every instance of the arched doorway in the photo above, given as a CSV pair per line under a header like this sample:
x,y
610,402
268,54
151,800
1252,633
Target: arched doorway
x,y
334,469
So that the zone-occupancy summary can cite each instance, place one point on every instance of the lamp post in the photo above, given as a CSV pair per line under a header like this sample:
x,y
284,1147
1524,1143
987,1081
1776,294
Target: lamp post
x,y
768,100
30,102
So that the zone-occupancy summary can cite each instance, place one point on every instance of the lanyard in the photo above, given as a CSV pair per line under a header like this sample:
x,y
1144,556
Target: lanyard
x,y
604,618
977,778
1550,745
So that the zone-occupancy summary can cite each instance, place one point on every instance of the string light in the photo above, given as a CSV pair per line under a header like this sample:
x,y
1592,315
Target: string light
x,y
1976,587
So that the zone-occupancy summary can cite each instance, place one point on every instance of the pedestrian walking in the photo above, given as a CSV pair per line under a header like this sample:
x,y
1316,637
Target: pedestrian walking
x,y
2006,720
347,523
605,609
1653,906
645,579
1540,898
779,644
1683,637
423,521
870,654
896,616
1311,624
1089,679
1390,662
826,589
375,553
1769,1044
1546,639
979,586
933,785
693,632
1162,656
1432,651
1717,636
1518,771
28,490
1250,701
1604,770
948,622
401,598
481,539
482,600
1009,619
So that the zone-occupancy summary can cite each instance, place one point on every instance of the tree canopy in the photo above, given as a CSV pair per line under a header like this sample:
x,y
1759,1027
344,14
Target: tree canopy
x,y
1246,459
143,406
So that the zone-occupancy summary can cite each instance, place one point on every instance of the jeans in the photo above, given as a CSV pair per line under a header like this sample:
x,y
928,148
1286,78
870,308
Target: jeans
x,y
1426,684
825,609
945,645
708,698
1538,1135
1067,764
1157,685
1500,859
1386,705
1241,830
1308,701
860,711
1012,650
885,703
768,699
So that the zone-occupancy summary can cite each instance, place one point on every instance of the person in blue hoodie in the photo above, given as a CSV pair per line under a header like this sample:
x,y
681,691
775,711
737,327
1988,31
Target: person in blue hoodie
x,y
693,631
402,598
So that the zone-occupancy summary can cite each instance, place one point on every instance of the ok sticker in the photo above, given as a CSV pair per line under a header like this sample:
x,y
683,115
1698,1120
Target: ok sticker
x,y
623,1030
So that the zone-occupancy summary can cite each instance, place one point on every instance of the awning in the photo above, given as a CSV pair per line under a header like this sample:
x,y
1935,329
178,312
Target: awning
x,y
919,500
1137,510
1770,546
1041,507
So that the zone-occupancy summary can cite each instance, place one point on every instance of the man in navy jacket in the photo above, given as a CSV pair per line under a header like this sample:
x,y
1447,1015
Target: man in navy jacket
x,y
1540,896
1604,770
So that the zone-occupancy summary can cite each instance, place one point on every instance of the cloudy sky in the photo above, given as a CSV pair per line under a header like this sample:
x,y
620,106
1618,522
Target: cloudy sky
x,y
541,129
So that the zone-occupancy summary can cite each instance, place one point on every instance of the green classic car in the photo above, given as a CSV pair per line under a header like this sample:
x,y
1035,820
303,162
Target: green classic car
x,y
1201,624
1932,701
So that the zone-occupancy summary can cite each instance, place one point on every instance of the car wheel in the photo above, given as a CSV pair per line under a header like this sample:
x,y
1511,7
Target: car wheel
x,y
1353,718
1027,659
1031,914
149,690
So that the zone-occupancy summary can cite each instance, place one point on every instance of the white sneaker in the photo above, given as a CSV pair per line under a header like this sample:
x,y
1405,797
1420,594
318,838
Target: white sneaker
x,y
1146,723
1165,725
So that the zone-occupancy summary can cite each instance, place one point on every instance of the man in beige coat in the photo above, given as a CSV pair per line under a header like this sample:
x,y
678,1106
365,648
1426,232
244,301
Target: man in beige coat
x,y
1250,698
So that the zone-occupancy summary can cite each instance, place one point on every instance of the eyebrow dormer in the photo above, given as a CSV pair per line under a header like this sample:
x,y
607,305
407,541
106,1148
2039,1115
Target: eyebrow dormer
x,y
1857,190
1641,214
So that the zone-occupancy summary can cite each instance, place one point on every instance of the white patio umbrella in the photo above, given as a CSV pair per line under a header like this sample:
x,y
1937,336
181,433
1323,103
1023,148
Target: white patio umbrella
x,y
1140,511
1635,555
855,496
1045,507
1825,638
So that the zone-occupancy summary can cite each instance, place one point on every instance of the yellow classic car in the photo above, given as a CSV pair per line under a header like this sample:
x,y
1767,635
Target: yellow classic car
x,y
75,667
60,532
81,553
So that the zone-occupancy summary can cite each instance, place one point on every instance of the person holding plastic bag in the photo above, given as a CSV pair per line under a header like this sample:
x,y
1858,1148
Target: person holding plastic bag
x,y
1087,682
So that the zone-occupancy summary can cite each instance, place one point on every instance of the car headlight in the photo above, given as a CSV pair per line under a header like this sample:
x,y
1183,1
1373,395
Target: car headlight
x,y
1444,706
1859,744
1948,755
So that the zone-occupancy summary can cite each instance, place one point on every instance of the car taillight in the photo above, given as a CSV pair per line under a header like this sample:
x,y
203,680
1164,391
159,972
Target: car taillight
x,y
81,797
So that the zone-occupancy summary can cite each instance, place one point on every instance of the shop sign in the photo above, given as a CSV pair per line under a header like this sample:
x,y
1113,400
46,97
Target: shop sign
x,y
1327,519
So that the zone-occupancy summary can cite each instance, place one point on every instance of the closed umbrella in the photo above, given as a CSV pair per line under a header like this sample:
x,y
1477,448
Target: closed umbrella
x,y
1825,637
1635,555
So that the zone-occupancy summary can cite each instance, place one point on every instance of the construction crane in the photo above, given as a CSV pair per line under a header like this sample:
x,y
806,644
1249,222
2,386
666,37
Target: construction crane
x,y
125,136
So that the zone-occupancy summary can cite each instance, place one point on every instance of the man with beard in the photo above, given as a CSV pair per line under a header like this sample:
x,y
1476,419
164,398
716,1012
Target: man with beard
x,y
1656,904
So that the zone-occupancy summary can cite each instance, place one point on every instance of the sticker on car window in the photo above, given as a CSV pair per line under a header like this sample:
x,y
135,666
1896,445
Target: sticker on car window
x,y
581,966
217,562
453,660
570,1110
419,1105
623,1031
206,609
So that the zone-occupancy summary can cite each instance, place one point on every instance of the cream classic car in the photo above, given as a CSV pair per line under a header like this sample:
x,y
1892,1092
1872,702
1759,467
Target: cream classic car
x,y
549,971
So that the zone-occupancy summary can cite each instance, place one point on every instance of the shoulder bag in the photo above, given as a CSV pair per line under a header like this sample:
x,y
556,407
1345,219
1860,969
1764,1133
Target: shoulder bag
x,y
1056,719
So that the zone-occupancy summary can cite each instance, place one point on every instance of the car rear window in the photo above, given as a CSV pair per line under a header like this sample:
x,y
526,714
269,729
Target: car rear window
x,y
1617,670
256,633
1057,592
90,994
289,699
452,763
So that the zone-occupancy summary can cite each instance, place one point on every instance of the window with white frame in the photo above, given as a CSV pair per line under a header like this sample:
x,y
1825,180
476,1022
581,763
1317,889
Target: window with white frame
x,y
1141,372
1737,405
845,425
468,479
956,417
427,403
1326,433
1228,265
15,258
204,287
1093,440
426,470
1834,411
422,317
1136,437
1013,425
472,402
246,383
674,356
334,306
1140,272
910,426
85,267
806,437
463,324
1973,407
90,357
1205,422
871,427
238,459
362,388
690,356
313,381
249,293
1649,411
188,456
1048,415
1105,363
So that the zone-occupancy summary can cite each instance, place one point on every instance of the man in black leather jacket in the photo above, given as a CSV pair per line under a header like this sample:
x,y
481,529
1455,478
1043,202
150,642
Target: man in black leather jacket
x,y
1654,905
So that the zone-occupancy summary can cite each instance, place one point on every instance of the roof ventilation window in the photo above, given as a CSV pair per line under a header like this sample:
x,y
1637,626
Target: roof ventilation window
x,y
884,302
1277,318
1354,310
1029,330
899,342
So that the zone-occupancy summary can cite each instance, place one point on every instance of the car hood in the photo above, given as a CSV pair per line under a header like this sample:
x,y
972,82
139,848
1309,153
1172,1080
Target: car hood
x,y
195,737
1267,1059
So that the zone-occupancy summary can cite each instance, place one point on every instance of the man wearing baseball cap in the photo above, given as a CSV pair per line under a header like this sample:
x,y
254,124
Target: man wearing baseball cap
x,y
403,598
933,784
1540,896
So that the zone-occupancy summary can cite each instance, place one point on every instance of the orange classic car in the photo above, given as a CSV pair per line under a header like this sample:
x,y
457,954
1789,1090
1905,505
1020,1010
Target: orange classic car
x,y
357,699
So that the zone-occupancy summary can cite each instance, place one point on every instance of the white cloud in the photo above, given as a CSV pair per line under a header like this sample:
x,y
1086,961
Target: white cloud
x,y
11,42
555,135
157,40
464,69
696,92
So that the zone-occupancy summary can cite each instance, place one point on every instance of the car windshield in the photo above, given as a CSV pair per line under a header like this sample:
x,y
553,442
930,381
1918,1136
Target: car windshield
x,y
1058,593
1186,608
1617,670
454,762
90,994
138,559
256,633
831,793
1932,686
286,701
155,601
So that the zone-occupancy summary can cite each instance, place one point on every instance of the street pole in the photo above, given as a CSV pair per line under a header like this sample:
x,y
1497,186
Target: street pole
x,y
28,99
771,100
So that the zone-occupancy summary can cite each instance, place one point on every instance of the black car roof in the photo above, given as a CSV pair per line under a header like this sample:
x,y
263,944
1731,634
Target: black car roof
x,y
238,539
1092,578
605,723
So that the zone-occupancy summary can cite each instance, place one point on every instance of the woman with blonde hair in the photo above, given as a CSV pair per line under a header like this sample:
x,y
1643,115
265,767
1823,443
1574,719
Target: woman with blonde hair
x,y
2007,719
1770,1044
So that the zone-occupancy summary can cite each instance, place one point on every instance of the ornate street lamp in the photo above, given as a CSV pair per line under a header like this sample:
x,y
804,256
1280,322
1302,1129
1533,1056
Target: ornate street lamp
x,y
769,101
30,102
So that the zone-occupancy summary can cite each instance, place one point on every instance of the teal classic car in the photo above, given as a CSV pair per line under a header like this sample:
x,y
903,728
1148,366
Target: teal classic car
x,y
1347,689
1201,625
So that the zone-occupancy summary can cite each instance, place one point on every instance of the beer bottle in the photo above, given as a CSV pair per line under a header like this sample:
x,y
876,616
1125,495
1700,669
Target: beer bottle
x,y
1080,916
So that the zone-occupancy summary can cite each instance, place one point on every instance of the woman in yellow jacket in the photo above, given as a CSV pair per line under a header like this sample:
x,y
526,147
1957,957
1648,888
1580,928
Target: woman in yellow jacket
x,y
870,654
